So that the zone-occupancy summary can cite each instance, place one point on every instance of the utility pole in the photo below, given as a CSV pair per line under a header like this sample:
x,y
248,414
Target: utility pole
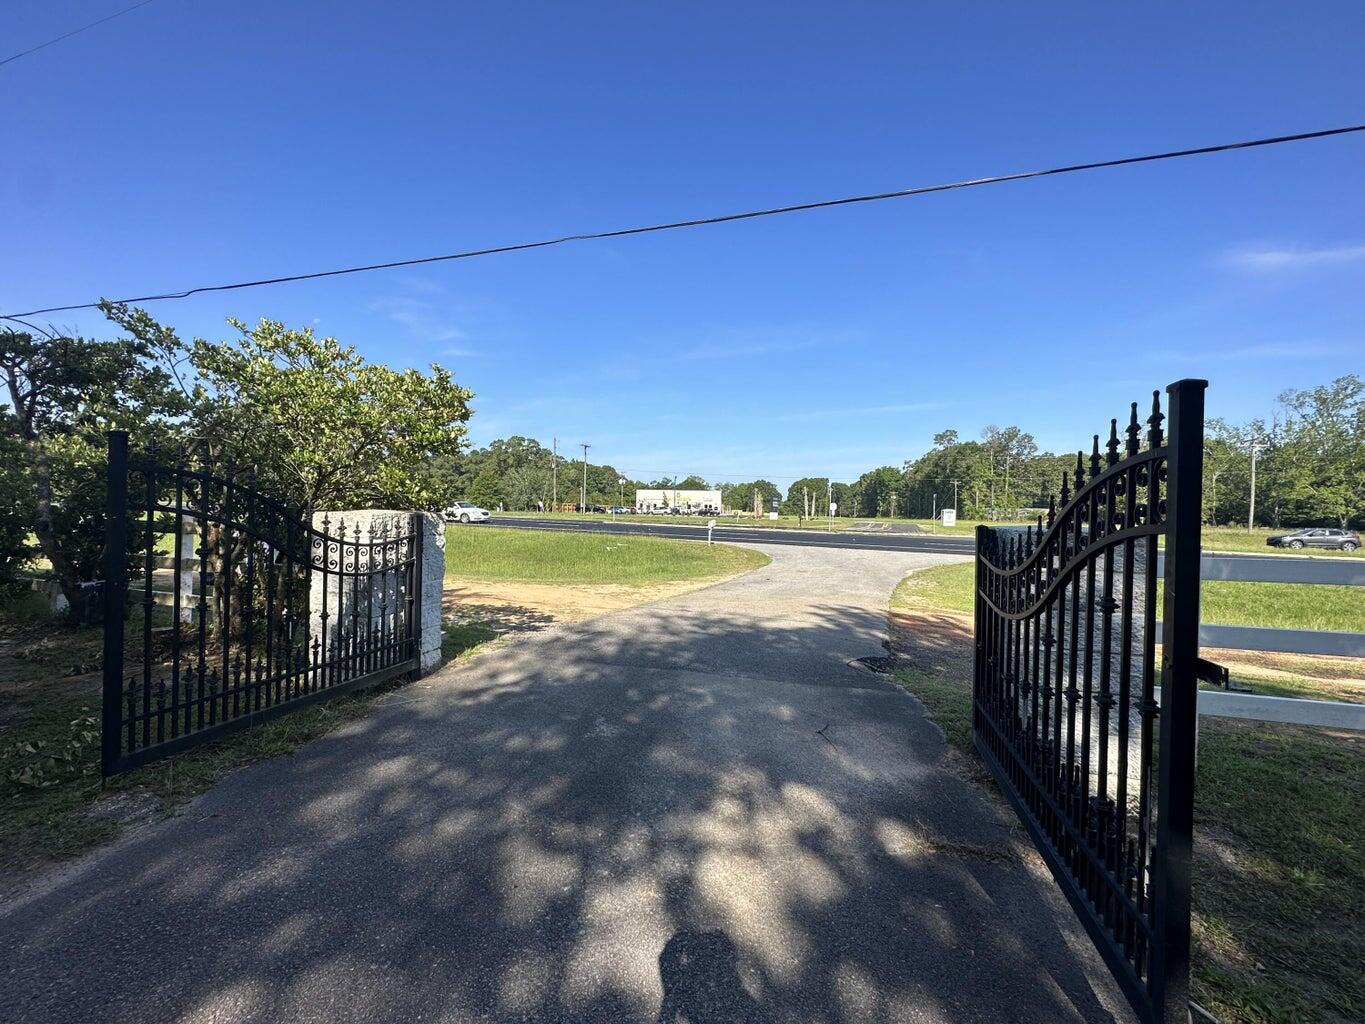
x,y
554,474
1213,510
1251,507
584,503
935,515
955,495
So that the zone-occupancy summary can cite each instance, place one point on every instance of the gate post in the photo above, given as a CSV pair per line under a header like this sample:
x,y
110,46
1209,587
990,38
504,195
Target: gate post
x,y
115,594
417,524
1179,693
978,634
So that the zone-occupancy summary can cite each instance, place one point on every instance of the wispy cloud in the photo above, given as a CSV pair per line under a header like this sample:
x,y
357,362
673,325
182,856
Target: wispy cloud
x,y
1265,258
425,320
1262,350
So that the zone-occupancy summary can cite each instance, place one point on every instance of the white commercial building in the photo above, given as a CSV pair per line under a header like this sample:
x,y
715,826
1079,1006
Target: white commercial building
x,y
667,499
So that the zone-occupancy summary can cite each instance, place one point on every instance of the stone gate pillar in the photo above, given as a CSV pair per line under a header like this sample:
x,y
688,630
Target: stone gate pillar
x,y
346,604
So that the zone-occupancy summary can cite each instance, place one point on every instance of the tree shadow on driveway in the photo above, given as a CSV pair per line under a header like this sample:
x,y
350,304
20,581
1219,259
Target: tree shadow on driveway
x,y
670,814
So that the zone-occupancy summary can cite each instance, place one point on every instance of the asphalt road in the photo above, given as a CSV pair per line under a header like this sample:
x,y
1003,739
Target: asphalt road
x,y
697,810
1245,566
870,541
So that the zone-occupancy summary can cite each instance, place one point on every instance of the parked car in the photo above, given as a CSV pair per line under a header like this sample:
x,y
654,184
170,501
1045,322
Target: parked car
x,y
1318,537
619,510
466,512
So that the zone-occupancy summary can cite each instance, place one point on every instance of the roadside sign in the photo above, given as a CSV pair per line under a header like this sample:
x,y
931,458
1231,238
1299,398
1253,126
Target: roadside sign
x,y
833,507
950,517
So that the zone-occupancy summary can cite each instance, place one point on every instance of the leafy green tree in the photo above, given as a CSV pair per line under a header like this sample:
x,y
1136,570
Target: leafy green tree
x,y
16,509
63,395
1008,452
1322,454
524,485
486,490
845,496
693,483
740,497
807,497
881,492
960,467
322,425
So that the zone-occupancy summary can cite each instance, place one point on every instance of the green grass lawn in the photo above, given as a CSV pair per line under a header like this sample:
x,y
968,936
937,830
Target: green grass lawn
x,y
533,556
1282,605
940,587
1290,606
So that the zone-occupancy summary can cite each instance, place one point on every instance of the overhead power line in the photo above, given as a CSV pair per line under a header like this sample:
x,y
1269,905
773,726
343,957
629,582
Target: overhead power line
x,y
720,219
74,32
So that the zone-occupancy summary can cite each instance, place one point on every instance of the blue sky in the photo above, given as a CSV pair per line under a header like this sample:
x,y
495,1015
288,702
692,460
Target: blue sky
x,y
191,143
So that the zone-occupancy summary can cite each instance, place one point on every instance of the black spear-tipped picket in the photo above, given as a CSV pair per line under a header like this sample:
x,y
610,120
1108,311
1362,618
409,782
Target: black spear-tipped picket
x,y
1134,443
1154,435
1095,459
1111,449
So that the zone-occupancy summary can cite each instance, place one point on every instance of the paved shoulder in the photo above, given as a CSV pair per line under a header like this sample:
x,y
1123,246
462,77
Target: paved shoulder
x,y
698,810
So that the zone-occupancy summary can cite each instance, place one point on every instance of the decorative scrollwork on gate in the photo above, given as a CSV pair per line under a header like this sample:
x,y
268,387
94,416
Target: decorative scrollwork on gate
x,y
1065,702
243,608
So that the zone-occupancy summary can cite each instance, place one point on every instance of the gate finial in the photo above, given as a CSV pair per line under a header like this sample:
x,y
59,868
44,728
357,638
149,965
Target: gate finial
x,y
1112,448
1154,435
1134,432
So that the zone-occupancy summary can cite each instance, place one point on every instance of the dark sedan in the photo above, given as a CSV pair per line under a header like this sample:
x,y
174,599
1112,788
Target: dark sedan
x,y
1318,537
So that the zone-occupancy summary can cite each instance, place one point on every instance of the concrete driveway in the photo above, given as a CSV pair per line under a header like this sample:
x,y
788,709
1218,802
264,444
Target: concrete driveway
x,y
694,811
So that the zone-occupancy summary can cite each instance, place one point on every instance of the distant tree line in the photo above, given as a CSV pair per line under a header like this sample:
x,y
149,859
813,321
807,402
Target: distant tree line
x,y
1310,461
1310,471
520,474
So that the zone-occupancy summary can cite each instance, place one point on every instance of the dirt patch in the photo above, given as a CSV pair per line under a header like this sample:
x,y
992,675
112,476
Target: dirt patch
x,y
932,641
525,607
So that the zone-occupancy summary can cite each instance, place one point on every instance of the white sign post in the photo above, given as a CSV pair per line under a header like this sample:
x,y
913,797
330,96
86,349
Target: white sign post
x,y
710,525
950,517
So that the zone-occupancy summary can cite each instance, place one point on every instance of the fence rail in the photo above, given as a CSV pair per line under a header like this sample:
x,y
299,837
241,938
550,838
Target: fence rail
x,y
1341,572
1283,641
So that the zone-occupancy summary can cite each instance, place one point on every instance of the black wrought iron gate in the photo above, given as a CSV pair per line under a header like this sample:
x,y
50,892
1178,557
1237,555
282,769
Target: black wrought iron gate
x,y
1066,710
239,609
